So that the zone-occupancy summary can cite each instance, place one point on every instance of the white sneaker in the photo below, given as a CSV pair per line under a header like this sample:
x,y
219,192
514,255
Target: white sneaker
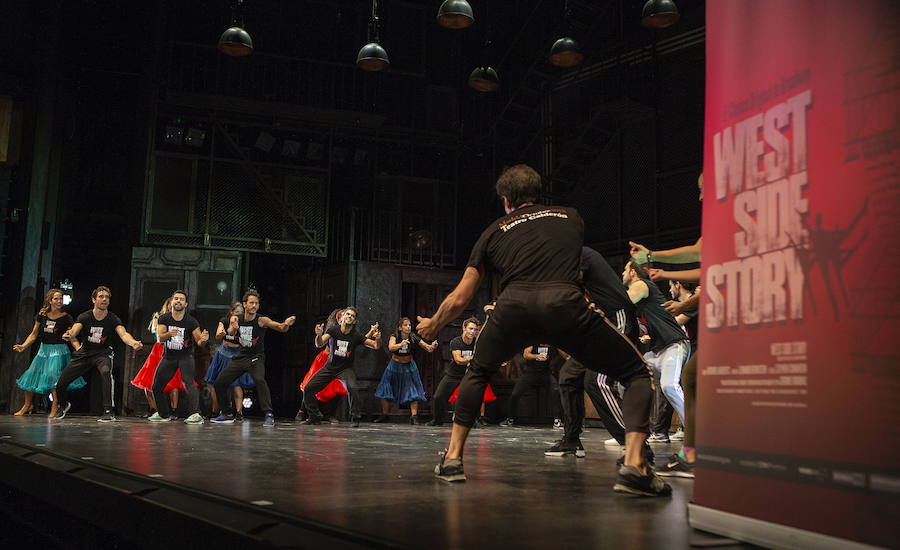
x,y
677,436
611,442
156,418
194,419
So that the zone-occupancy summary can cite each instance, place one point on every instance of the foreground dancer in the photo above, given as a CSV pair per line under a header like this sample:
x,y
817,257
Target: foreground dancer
x,y
53,354
95,352
226,352
250,329
342,341
536,250
178,332
401,382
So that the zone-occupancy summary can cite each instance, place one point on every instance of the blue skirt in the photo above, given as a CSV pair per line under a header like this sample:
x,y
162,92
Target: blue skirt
x,y
220,360
42,375
401,383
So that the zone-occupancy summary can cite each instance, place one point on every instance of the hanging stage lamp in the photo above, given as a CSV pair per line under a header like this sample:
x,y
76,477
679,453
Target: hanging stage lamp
x,y
372,57
235,41
565,52
455,14
484,79
659,14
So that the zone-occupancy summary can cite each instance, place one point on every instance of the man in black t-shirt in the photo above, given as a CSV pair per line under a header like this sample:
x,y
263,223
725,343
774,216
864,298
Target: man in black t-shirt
x,y
669,345
342,341
536,250
535,375
177,331
461,349
93,329
250,330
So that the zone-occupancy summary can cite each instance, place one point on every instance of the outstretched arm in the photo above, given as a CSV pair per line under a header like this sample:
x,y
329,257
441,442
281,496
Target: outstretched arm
x,y
452,306
681,255
127,338
30,339
686,275
265,322
373,337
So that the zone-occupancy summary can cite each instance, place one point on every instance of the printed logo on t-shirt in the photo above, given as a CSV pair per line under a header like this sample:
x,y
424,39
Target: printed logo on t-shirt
x,y
466,354
341,348
543,351
50,326
177,341
246,336
96,336
404,348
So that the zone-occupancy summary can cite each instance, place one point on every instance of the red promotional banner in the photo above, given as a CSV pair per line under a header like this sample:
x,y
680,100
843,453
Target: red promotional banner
x,y
798,409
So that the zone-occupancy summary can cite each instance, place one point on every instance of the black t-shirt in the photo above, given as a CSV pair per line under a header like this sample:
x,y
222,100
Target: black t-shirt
x,y
664,329
407,348
532,244
466,350
605,288
250,336
53,329
182,343
545,350
343,346
691,326
95,335
231,339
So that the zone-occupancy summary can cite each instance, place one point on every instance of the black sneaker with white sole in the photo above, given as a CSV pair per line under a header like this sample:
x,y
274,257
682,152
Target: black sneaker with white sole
x,y
677,467
565,447
450,470
631,481
108,416
62,410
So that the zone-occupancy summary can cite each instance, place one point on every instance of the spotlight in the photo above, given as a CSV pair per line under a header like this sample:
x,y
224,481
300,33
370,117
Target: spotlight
x,y
565,52
659,14
484,79
455,14
372,57
235,41
247,402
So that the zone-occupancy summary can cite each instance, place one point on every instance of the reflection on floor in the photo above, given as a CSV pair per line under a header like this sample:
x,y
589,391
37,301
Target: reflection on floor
x,y
377,479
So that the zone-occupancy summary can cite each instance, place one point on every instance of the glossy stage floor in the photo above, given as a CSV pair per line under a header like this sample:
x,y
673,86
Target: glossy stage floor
x,y
357,487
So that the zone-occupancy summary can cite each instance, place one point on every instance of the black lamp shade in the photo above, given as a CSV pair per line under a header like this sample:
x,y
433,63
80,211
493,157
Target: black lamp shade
x,y
659,14
372,57
235,42
565,52
455,14
484,79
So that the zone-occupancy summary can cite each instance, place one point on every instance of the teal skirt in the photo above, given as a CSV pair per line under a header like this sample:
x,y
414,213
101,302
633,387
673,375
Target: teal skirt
x,y
42,375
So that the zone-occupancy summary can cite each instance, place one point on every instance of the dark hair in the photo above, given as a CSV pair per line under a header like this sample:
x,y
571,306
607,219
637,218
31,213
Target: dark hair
x,y
234,306
183,293
519,184
400,324
46,306
641,272
690,286
250,292
100,289
471,320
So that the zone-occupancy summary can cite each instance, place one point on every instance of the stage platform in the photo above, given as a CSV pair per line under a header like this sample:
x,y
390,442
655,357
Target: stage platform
x,y
370,486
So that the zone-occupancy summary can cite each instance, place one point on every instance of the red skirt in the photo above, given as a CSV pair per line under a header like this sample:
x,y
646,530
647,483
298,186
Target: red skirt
x,y
333,389
488,395
144,378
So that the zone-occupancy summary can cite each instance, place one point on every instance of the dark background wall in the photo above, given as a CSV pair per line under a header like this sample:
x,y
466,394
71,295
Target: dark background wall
x,y
308,166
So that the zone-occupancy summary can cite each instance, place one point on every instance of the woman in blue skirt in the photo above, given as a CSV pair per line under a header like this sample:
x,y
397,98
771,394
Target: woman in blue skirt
x,y
226,352
50,324
401,382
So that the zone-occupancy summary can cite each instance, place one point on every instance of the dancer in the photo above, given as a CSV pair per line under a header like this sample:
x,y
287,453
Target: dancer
x,y
95,352
401,382
178,331
53,354
334,388
144,377
250,328
536,251
226,352
342,341
535,375
461,349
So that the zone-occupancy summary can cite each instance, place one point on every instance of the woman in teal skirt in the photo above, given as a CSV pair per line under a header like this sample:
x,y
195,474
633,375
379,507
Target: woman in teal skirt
x,y
401,382
50,324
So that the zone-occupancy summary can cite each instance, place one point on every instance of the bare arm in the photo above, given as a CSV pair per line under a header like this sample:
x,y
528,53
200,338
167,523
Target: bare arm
x,y
162,334
128,339
373,337
687,275
200,336
677,308
458,358
265,322
220,332
394,345
637,291
526,353
426,346
321,336
30,339
681,255
71,334
452,306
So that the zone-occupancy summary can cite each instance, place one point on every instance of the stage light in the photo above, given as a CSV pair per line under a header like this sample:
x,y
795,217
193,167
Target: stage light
x,y
372,57
68,291
195,137
659,14
235,41
565,52
455,14
174,135
264,141
484,79
247,402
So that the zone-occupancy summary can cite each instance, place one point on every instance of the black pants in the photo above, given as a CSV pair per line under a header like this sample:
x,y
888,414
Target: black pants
x,y
442,394
557,314
536,379
82,364
324,377
574,380
662,412
164,372
256,366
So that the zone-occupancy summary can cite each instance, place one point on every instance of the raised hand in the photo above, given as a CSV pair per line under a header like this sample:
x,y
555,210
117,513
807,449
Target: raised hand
x,y
425,327
290,320
233,323
639,252
656,274
204,336
320,329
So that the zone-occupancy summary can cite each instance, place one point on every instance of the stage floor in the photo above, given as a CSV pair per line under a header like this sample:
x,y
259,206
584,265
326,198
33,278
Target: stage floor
x,y
377,479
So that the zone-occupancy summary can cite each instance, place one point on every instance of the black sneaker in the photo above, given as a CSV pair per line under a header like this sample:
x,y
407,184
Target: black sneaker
x,y
173,417
269,421
62,410
108,416
481,422
677,467
223,419
238,416
631,481
311,420
433,422
450,469
382,419
564,447
354,422
414,419
300,416
508,422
